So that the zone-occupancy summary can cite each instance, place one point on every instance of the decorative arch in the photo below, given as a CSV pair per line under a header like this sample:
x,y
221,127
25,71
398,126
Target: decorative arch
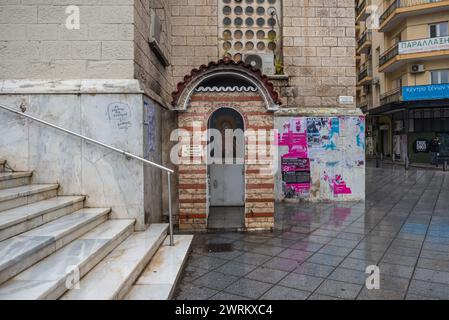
x,y
244,74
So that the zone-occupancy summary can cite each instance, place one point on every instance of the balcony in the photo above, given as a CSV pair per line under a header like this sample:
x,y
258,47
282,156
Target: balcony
x,y
365,41
426,92
391,96
365,76
360,11
364,104
399,10
413,50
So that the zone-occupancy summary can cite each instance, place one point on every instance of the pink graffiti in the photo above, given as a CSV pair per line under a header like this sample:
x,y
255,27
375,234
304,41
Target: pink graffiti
x,y
337,184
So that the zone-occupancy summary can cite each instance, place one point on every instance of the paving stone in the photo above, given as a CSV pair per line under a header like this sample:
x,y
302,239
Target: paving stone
x,y
314,269
215,280
248,288
267,275
301,281
284,293
282,264
236,268
339,289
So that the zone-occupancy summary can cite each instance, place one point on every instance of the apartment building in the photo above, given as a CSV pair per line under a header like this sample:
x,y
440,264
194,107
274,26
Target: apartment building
x,y
403,76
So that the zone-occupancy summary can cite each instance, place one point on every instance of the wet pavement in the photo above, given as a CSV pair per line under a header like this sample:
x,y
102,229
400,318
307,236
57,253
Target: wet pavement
x,y
321,251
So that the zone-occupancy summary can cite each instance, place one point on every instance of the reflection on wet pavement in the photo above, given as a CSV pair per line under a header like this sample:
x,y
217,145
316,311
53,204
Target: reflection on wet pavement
x,y
321,251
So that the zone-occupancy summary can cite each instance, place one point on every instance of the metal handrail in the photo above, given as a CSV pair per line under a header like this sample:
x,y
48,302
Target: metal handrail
x,y
391,52
123,152
402,4
391,96
365,36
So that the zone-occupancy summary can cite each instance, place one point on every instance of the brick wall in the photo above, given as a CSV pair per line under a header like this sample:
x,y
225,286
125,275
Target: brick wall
x,y
35,43
259,182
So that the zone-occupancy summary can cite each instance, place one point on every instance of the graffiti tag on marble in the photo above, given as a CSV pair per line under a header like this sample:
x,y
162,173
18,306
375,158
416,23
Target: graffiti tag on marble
x,y
120,114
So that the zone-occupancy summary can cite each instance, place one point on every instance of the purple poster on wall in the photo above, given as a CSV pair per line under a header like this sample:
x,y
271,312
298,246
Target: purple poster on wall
x,y
295,163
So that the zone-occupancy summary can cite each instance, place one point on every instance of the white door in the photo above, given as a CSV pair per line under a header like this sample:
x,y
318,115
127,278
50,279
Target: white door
x,y
227,186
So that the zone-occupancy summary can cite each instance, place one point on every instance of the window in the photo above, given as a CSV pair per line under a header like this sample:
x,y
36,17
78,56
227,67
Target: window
x,y
439,76
249,27
438,29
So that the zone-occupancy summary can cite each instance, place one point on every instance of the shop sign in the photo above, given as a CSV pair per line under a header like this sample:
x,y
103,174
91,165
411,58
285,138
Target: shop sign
x,y
421,146
424,45
429,92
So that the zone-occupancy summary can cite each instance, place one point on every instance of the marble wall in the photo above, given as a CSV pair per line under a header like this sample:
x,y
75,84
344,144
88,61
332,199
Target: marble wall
x,y
107,178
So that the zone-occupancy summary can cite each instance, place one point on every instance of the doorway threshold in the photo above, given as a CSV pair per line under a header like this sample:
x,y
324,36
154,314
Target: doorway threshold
x,y
226,218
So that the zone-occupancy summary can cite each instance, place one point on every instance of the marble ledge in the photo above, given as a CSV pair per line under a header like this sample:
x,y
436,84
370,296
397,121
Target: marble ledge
x,y
77,86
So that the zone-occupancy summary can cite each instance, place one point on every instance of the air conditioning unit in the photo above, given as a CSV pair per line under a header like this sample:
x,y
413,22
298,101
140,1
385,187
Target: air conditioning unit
x,y
155,38
376,81
261,61
417,68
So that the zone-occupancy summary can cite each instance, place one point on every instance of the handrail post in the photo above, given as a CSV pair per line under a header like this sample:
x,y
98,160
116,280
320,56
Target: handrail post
x,y
170,214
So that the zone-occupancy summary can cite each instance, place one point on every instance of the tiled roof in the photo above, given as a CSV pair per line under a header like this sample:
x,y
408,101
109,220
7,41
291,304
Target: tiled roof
x,y
221,65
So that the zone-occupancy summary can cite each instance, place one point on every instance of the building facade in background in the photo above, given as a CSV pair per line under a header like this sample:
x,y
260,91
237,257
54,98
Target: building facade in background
x,y
135,71
403,76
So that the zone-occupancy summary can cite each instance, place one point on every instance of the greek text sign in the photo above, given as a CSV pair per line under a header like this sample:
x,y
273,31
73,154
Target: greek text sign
x,y
423,45
429,92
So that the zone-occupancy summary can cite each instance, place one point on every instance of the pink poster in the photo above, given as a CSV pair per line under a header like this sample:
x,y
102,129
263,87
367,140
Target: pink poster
x,y
295,163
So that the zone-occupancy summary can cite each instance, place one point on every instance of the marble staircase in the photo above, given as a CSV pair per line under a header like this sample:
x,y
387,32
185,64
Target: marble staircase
x,y
53,247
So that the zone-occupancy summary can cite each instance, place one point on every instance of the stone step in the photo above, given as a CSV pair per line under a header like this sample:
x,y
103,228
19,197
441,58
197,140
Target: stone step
x,y
158,280
21,219
112,278
51,277
20,196
2,165
20,252
14,179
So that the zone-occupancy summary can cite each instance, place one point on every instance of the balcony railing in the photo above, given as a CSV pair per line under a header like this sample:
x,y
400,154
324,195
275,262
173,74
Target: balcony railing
x,y
391,96
388,55
402,4
366,36
360,8
365,71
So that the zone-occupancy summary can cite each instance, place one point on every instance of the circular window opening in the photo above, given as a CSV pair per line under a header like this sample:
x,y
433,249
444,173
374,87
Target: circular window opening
x,y
227,21
238,46
260,46
272,46
227,35
238,34
238,21
249,11
249,45
227,10
238,57
249,34
260,11
260,22
227,46
249,22
272,22
238,10
260,34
